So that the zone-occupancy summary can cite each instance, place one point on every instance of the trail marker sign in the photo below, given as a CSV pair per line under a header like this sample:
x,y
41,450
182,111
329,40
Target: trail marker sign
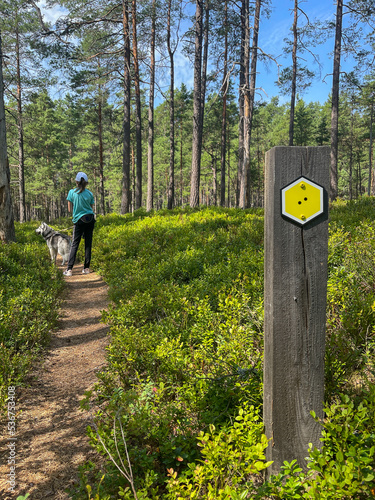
x,y
302,200
295,291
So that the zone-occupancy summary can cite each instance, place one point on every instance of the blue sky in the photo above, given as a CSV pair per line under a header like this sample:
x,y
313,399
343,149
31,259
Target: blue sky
x,y
271,40
272,33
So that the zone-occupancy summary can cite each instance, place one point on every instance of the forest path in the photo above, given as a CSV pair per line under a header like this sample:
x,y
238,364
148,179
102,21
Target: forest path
x,y
51,428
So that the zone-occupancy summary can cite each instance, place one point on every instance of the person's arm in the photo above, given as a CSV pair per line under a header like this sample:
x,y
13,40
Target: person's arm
x,y
70,206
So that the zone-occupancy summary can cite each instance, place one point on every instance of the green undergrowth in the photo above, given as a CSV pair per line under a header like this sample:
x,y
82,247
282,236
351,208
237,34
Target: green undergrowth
x,y
29,290
179,407
350,349
186,331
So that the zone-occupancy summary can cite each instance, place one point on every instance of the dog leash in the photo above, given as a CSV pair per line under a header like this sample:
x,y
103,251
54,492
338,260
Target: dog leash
x,y
60,230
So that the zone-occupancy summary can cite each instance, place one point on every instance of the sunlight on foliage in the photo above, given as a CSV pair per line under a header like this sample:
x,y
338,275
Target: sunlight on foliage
x,y
184,374
29,290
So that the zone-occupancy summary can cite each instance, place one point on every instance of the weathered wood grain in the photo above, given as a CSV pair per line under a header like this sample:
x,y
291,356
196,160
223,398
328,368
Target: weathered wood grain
x,y
295,309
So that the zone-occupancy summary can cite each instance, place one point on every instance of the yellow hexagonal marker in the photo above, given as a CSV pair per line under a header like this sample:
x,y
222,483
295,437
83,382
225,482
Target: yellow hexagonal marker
x,y
302,200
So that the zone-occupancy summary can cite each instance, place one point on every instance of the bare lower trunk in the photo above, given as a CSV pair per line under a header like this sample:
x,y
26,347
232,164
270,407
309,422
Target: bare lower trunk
x,y
21,159
206,31
101,155
138,111
249,95
150,155
224,113
246,106
197,133
170,194
294,75
370,188
7,232
335,103
125,198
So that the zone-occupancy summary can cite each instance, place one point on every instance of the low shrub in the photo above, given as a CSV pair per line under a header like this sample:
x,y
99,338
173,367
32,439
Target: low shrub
x,y
344,467
29,290
186,327
229,458
186,357
350,341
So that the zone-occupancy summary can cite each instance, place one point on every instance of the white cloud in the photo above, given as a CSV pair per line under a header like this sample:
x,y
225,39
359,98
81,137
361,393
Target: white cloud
x,y
184,72
52,14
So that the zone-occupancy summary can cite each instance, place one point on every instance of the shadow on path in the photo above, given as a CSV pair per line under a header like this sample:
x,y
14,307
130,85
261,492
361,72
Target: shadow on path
x,y
51,429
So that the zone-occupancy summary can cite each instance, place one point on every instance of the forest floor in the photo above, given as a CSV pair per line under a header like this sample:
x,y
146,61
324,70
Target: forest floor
x,y
51,428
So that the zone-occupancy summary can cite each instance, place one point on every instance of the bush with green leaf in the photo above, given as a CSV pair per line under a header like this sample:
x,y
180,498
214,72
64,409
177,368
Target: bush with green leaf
x,y
186,353
344,467
29,290
186,329
350,342
229,458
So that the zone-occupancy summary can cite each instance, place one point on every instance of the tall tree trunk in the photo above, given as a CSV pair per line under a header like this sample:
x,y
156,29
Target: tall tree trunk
x,y
150,155
335,103
359,177
228,193
260,174
197,133
101,159
370,175
351,143
241,101
138,111
294,75
253,75
133,179
170,194
125,197
224,112
246,106
248,90
21,157
181,162
206,30
7,232
214,181
101,155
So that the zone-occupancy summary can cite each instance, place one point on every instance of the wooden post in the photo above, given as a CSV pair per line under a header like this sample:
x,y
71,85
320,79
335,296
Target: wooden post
x,y
295,307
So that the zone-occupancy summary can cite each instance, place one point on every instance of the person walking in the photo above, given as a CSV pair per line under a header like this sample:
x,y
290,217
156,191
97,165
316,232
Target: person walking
x,y
81,203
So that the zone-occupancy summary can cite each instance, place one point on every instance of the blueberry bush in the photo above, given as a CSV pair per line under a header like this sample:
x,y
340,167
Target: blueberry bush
x,y
29,300
179,407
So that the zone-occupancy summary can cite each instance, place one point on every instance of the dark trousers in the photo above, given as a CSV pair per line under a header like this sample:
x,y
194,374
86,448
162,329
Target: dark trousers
x,y
85,229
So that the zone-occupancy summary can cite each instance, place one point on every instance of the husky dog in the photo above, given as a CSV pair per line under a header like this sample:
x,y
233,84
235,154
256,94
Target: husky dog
x,y
56,242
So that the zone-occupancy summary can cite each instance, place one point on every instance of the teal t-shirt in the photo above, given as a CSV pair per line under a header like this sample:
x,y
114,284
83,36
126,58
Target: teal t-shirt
x,y
81,203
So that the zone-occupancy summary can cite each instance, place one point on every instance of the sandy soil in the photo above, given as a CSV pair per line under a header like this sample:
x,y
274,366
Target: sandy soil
x,y
51,427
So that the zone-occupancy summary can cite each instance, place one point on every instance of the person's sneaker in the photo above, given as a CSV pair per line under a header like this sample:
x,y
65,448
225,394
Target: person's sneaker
x,y
68,272
86,270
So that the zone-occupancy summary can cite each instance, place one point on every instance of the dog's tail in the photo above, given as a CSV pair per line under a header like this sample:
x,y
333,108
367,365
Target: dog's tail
x,y
65,236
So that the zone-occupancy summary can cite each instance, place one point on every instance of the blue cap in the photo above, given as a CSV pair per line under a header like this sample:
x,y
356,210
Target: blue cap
x,y
80,175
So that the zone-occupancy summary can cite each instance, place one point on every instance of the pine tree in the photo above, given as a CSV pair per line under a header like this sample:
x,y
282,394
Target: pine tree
x,y
197,122
335,103
7,232
22,70
150,153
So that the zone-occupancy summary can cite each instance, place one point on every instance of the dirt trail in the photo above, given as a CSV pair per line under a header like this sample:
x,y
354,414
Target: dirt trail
x,y
51,428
